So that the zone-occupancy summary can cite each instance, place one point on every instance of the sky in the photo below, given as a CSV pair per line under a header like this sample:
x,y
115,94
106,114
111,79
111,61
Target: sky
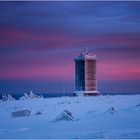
x,y
39,40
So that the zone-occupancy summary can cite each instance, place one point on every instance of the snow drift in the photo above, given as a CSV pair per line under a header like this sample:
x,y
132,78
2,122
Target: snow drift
x,y
75,117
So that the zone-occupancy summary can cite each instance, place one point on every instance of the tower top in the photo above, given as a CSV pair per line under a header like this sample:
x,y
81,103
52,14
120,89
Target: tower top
x,y
86,56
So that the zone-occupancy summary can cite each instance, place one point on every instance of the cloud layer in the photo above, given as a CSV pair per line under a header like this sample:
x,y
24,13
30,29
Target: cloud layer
x,y
38,40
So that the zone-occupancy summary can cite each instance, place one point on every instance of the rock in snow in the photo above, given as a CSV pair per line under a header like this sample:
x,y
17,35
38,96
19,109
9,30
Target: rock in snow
x,y
65,115
111,110
21,113
38,113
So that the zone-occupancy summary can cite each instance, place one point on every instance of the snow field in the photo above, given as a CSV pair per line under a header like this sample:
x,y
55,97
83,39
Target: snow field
x,y
94,117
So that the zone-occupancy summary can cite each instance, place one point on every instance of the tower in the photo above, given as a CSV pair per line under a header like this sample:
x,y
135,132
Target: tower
x,y
85,74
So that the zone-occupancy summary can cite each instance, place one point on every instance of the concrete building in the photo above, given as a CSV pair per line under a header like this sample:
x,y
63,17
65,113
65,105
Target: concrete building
x,y
85,75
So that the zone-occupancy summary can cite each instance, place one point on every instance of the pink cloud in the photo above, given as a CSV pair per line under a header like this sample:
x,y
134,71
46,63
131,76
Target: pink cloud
x,y
39,41
111,70
124,39
65,72
108,69
16,36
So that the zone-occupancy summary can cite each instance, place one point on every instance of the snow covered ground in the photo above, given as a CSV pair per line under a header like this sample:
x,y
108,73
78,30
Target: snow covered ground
x,y
93,117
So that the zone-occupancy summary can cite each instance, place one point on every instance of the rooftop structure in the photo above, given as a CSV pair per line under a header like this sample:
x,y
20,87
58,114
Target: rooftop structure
x,y
85,75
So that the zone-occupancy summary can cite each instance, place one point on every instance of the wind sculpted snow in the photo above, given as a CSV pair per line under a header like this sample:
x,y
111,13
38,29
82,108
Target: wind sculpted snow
x,y
93,117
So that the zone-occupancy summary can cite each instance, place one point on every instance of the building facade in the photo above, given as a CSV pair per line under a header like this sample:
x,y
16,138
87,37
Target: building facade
x,y
85,75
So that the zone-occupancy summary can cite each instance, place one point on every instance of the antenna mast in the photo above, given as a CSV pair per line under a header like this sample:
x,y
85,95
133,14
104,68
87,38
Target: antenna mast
x,y
86,50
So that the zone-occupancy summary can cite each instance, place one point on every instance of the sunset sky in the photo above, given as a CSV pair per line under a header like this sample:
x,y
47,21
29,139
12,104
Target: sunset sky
x,y
39,40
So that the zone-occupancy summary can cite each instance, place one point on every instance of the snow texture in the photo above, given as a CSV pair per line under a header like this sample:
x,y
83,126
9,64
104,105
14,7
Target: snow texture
x,y
29,96
8,97
75,117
